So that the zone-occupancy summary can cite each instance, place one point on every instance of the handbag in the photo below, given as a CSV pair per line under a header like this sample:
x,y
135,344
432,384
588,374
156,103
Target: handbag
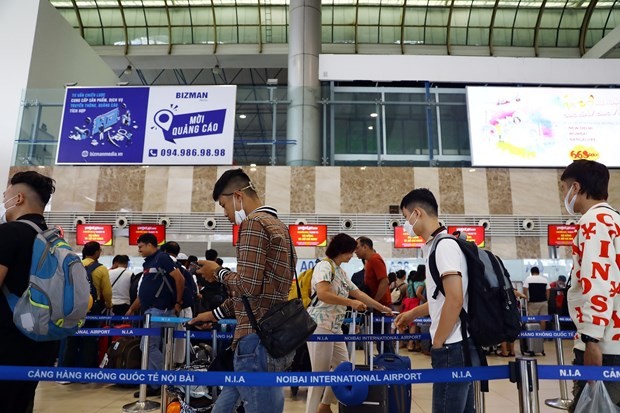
x,y
285,326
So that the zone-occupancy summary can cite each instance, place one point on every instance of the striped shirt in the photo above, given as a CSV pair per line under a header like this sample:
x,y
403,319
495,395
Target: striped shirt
x,y
264,269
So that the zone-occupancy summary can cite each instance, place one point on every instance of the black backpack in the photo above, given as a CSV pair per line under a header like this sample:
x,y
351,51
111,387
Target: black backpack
x,y
133,286
492,316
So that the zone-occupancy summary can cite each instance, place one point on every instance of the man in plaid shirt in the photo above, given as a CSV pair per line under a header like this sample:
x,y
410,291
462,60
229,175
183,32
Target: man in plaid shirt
x,y
265,265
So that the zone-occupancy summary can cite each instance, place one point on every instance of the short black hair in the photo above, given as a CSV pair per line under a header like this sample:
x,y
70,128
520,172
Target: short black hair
x,y
90,248
148,239
421,270
211,255
534,270
219,261
171,247
42,185
231,181
411,276
121,259
593,177
341,244
192,258
400,274
366,241
423,198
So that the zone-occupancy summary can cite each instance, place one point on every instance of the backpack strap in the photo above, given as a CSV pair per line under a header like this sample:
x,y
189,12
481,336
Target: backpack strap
x,y
119,276
314,300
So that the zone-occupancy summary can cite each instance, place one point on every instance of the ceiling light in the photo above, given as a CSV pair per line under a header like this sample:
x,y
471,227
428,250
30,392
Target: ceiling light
x,y
371,127
242,116
373,115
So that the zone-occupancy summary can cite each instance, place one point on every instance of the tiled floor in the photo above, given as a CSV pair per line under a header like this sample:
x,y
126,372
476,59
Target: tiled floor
x,y
95,398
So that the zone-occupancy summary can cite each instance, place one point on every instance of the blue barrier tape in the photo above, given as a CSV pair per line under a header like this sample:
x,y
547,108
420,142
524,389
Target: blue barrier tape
x,y
227,321
368,337
114,317
548,372
206,335
172,320
129,332
377,377
568,335
426,320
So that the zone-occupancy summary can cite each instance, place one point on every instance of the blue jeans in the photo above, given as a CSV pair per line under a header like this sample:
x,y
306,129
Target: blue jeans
x,y
251,356
453,397
156,356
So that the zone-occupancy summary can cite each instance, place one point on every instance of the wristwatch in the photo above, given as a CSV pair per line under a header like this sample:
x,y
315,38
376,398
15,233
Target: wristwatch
x,y
587,339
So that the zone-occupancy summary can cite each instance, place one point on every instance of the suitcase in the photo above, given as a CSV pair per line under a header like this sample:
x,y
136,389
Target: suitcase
x,y
532,346
425,344
377,399
123,353
104,342
399,395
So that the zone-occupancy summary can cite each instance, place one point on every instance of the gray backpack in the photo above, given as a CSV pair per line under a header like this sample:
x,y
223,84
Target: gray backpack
x,y
56,301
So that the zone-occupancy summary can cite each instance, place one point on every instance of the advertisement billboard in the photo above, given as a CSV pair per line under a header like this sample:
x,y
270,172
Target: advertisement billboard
x,y
403,240
135,230
102,234
542,127
561,235
158,125
474,233
308,235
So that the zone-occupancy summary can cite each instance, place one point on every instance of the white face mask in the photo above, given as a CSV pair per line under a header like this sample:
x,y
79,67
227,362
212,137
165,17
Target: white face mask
x,y
3,209
240,216
408,226
570,205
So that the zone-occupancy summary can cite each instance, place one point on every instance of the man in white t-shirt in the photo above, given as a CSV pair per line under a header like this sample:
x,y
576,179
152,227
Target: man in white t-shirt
x,y
120,279
420,209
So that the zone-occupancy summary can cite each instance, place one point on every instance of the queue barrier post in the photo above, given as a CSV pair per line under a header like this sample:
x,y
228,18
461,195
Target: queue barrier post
x,y
524,372
564,401
143,405
168,361
479,403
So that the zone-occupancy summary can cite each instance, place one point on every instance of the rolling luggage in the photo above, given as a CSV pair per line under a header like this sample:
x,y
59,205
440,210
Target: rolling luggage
x,y
377,399
123,353
399,395
532,346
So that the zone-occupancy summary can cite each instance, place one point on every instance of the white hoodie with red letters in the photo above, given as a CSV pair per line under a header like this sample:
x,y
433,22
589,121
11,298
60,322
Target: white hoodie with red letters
x,y
594,295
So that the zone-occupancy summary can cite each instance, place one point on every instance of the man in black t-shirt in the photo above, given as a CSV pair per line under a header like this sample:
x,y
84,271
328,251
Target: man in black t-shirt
x,y
24,199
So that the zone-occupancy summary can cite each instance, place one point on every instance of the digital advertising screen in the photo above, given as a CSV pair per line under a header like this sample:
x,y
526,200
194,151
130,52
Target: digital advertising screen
x,y
135,230
561,235
403,240
147,125
474,233
543,127
102,234
308,235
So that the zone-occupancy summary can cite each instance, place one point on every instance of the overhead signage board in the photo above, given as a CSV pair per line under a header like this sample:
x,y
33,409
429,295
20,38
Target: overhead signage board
x,y
561,235
136,230
543,127
404,240
475,233
158,125
308,235
102,234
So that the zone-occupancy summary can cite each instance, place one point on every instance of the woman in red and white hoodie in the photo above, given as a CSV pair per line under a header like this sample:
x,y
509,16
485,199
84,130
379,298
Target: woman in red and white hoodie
x,y
594,295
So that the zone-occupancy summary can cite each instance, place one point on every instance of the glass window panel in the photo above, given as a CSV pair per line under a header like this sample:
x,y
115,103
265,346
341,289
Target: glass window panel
x,y
436,35
523,37
505,17
69,15
249,34
352,133
568,38
415,16
597,21
454,130
202,16
551,18
478,37
480,17
94,37
547,37
278,34
526,18
137,35
113,36
90,17
614,19
389,35
460,17
414,35
327,34
502,37
182,35
437,17
225,15
572,19
135,17
158,35
180,16
391,16
278,15
344,15
368,15
226,35
156,17
406,130
405,97
458,36
247,15
326,14
368,35
111,17
202,35
593,36
344,34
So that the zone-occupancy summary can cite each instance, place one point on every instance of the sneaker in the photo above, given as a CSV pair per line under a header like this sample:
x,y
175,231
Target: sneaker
x,y
150,392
